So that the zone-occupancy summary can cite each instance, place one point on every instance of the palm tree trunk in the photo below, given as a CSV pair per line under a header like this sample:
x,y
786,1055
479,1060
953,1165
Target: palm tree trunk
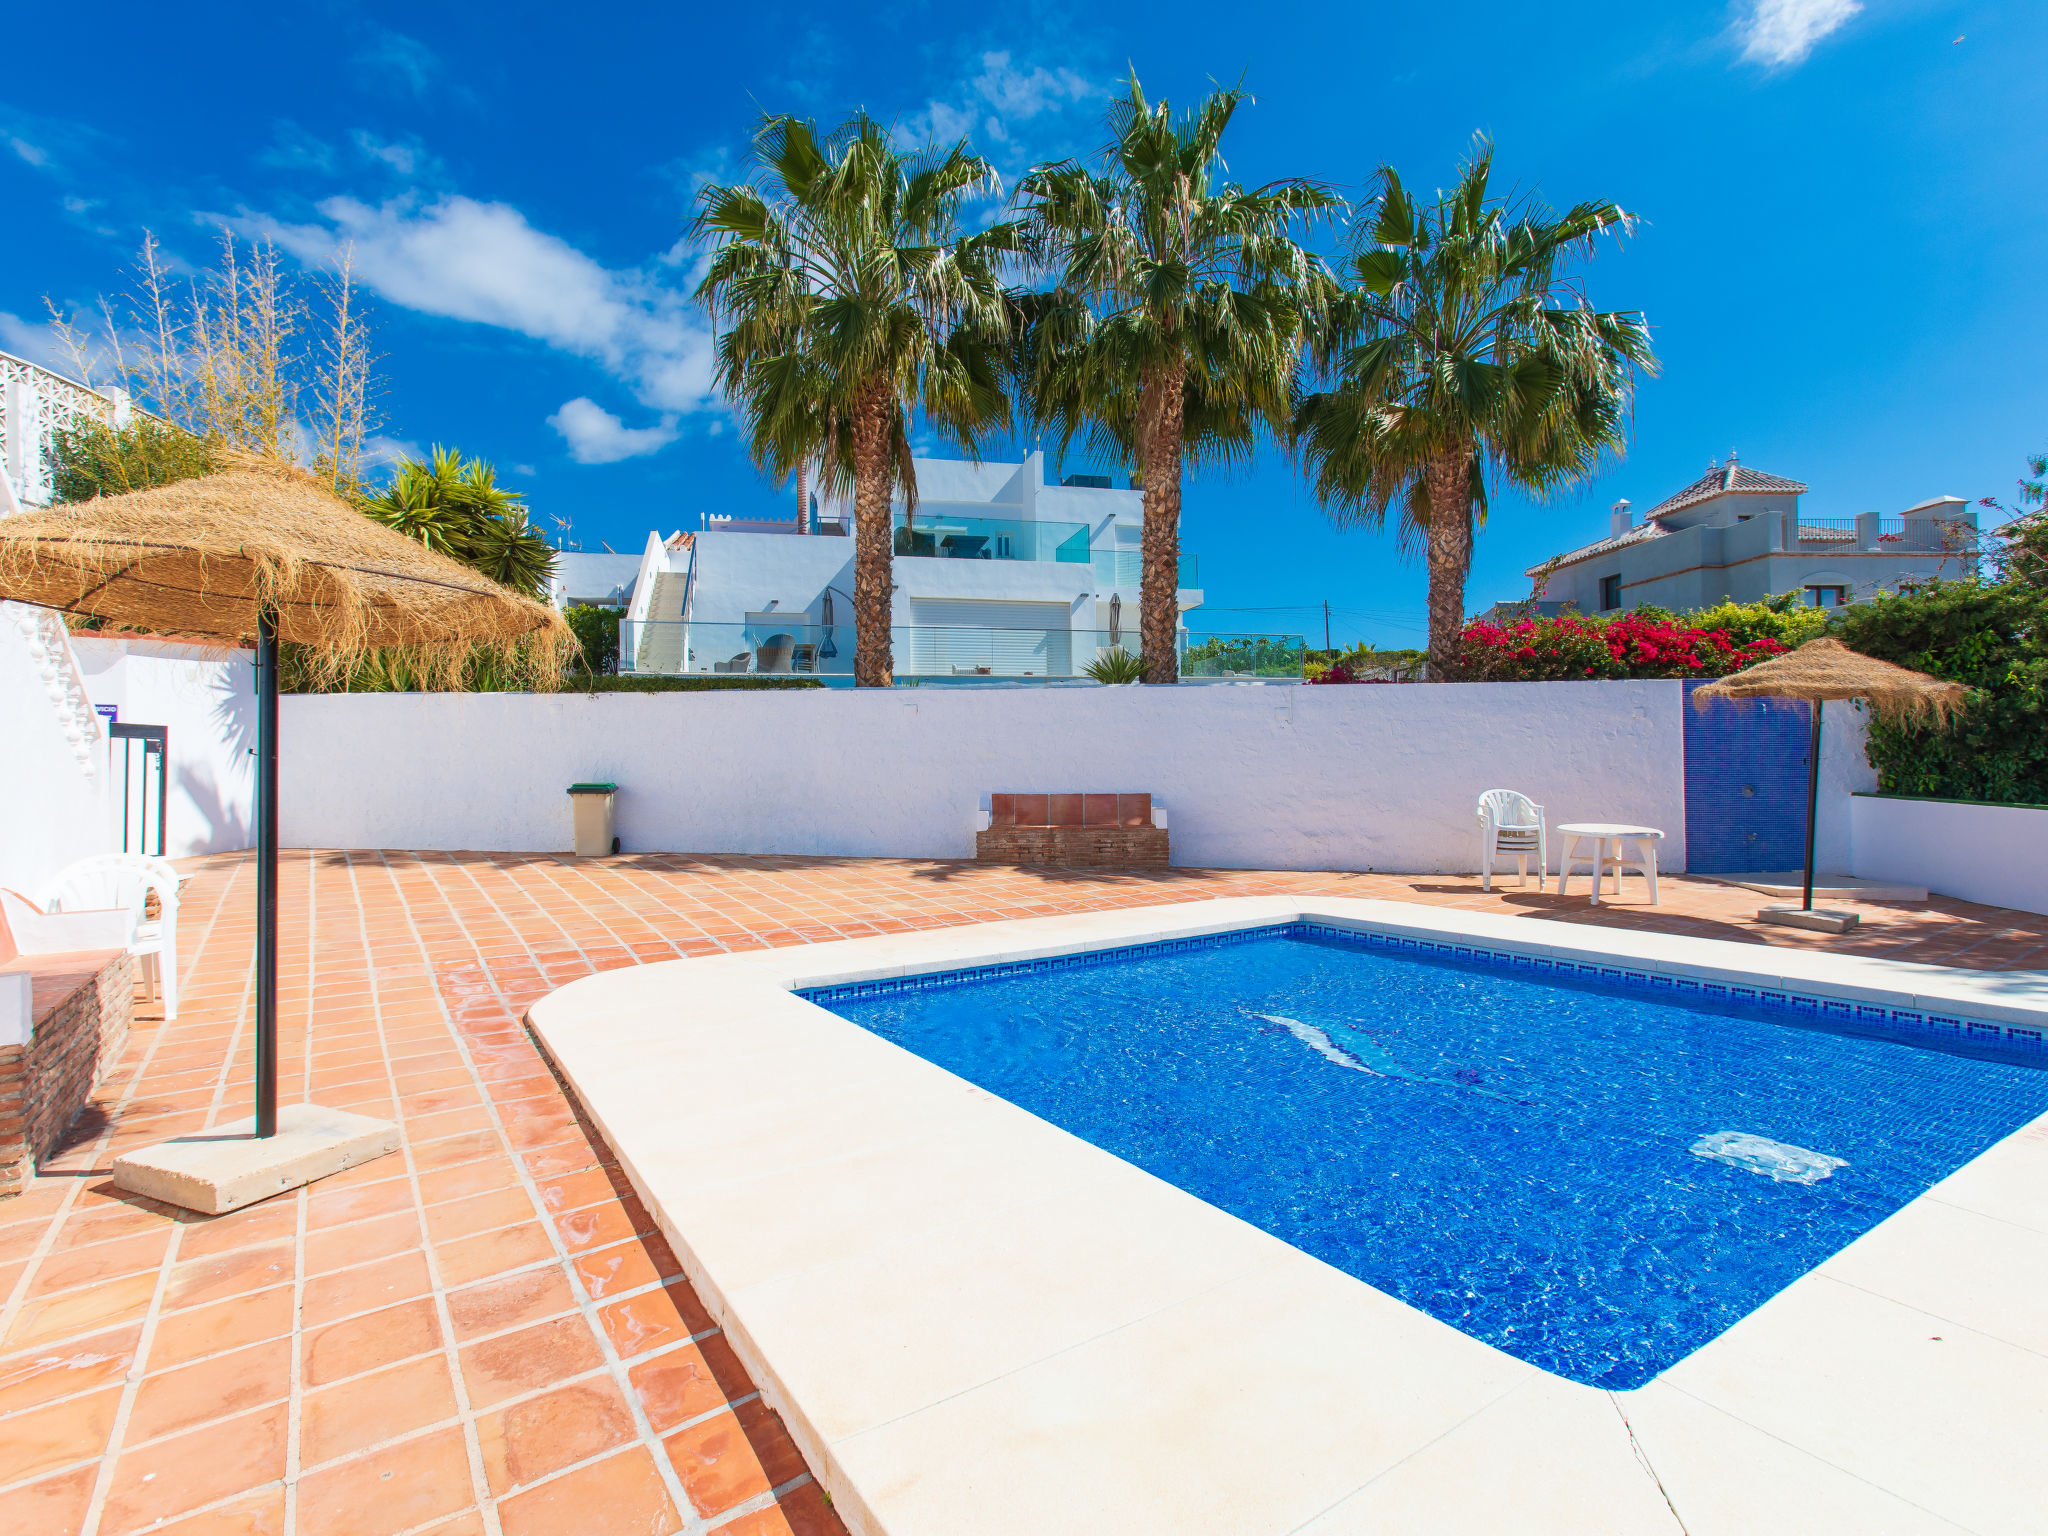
x,y
874,549
1159,431
1450,556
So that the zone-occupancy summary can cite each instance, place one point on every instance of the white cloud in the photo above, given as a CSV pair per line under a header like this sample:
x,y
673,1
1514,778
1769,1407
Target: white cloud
x,y
1019,94
995,102
294,149
402,158
400,61
596,436
1781,33
34,154
482,262
38,343
381,451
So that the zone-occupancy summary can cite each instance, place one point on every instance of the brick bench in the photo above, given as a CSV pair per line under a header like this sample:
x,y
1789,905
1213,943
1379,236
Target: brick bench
x,y
64,1016
1091,831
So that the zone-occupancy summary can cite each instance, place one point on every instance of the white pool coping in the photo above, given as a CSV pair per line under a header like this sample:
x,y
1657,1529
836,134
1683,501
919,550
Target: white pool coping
x,y
976,1324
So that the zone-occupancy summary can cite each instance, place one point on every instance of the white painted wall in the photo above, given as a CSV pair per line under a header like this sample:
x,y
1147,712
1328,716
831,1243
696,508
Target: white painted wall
x,y
1377,778
1996,854
1845,771
205,695
54,806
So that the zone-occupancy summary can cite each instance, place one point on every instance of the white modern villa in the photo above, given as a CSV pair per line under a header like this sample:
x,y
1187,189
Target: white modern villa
x,y
998,574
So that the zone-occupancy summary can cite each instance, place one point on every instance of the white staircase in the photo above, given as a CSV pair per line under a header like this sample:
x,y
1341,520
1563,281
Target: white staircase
x,y
661,641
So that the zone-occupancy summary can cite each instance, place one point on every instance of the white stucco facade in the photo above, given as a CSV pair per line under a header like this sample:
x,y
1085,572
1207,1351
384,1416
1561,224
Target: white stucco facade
x,y
204,696
1739,535
1024,577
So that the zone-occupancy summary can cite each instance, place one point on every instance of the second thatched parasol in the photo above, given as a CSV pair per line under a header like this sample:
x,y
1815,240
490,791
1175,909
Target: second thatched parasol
x,y
260,551
1819,671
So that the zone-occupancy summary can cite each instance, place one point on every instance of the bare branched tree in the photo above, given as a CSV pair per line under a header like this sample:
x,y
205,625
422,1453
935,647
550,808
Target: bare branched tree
x,y
229,355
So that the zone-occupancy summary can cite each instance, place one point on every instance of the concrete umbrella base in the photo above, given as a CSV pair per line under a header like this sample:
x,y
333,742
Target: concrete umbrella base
x,y
222,1170
1819,919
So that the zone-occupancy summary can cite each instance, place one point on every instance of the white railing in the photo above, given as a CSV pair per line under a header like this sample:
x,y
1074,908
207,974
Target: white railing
x,y
34,403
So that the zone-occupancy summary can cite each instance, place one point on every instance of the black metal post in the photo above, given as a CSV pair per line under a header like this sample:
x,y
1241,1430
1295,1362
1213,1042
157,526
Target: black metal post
x,y
1812,796
266,872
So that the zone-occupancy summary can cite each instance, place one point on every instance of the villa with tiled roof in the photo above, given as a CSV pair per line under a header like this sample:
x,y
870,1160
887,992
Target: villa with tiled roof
x,y
1737,533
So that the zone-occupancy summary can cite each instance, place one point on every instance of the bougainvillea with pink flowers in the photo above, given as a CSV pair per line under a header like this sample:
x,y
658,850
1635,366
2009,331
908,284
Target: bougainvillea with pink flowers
x,y
1572,647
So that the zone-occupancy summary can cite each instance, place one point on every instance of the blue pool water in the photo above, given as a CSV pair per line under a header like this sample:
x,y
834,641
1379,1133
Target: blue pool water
x,y
1511,1154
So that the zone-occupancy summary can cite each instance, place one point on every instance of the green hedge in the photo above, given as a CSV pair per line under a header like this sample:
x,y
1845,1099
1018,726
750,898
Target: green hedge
x,y
636,682
1991,635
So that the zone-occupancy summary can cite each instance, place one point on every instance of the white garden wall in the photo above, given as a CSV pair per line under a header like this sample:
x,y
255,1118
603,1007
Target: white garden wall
x,y
1379,778
1990,853
1845,772
205,696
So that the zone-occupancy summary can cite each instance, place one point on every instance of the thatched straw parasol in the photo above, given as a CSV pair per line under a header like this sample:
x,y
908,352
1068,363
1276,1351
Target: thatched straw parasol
x,y
261,551
206,557
1821,670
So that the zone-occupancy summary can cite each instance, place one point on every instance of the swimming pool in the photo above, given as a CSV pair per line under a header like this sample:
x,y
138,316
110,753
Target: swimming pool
x,y
1595,1178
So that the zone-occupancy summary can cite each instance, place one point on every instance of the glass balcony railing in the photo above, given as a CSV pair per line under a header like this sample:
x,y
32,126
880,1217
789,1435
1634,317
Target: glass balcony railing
x,y
938,536
936,653
1234,658
1123,570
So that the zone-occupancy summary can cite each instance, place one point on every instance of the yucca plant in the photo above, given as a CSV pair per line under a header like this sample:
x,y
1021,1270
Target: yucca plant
x,y
1172,335
1116,665
848,299
455,506
1462,348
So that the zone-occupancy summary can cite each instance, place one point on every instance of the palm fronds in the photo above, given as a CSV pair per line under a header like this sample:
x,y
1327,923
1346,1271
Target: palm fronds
x,y
1461,349
848,298
1174,326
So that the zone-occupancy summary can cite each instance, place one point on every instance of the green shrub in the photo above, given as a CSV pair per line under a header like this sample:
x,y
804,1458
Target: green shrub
x,y
92,459
650,682
1116,665
597,633
1993,636
1784,618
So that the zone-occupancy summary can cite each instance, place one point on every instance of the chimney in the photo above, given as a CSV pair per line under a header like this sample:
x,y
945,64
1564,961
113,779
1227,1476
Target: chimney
x,y
1618,520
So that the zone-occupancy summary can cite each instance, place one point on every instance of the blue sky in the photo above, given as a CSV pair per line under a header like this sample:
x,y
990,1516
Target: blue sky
x,y
1841,255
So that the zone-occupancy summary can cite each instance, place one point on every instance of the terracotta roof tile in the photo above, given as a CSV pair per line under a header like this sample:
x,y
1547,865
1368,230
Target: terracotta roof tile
x,y
1719,480
1635,535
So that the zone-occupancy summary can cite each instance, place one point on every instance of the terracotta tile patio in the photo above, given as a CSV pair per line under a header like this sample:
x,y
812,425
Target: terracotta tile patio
x,y
484,1334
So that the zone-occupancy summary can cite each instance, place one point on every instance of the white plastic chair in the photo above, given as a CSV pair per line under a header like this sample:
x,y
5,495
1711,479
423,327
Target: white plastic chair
x,y
126,880
1511,823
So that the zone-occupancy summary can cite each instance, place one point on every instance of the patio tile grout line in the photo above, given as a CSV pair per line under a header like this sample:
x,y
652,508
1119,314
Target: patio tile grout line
x,y
693,1524
480,1484
131,1388
295,1414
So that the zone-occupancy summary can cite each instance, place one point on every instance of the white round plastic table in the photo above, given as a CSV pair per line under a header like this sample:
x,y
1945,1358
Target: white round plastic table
x,y
1607,838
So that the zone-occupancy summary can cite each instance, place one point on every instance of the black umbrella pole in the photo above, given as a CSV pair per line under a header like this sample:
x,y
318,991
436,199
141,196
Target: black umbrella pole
x,y
266,873
1812,797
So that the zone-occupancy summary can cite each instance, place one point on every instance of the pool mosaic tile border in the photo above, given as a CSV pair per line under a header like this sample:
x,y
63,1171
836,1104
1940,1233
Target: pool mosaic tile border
x,y
1910,1025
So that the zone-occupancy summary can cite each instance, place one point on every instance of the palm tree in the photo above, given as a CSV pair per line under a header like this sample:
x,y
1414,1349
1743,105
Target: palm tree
x,y
455,506
1462,347
1174,330
848,299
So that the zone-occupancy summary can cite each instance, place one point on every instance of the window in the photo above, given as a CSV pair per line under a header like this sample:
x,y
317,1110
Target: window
x,y
1826,597
1610,592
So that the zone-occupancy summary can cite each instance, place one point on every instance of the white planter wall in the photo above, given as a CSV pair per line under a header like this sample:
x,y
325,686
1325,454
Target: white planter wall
x,y
1358,778
1996,854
